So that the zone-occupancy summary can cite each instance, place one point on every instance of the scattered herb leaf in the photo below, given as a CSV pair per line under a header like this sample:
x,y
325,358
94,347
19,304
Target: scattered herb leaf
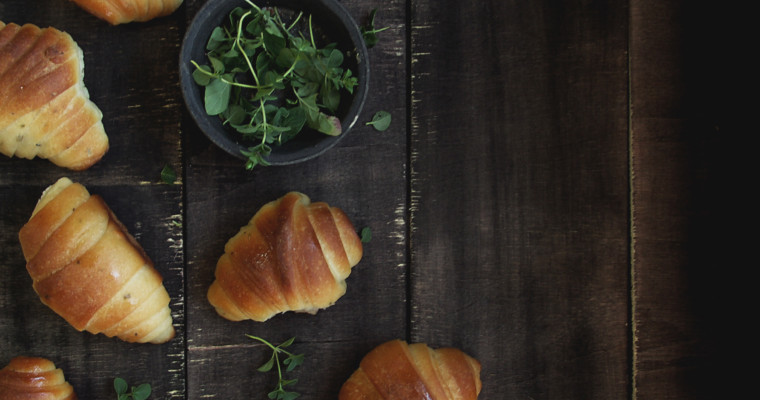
x,y
140,392
291,362
381,120
369,32
266,78
365,235
168,175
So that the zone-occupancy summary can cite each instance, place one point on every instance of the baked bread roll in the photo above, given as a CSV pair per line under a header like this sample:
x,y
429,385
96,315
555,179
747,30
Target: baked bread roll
x,y
123,11
87,268
293,255
45,109
30,378
397,370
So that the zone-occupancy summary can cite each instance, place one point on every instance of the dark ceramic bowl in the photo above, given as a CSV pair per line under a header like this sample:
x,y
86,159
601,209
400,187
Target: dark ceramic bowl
x,y
335,25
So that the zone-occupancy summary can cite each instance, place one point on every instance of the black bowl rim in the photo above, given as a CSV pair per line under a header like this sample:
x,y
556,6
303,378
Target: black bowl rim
x,y
220,137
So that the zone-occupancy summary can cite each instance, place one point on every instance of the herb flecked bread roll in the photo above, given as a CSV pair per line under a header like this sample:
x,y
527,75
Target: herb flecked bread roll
x,y
34,378
87,268
123,11
397,370
293,255
45,108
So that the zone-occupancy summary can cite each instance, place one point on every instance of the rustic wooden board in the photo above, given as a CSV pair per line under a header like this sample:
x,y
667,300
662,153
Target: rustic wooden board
x,y
499,202
519,185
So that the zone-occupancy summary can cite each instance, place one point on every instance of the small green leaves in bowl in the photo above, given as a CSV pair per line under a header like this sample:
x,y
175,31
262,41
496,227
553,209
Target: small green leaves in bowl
x,y
269,72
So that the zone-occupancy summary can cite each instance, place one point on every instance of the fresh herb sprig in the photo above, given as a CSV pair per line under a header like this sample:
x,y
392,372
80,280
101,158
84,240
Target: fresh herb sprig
x,y
140,392
291,361
369,32
267,79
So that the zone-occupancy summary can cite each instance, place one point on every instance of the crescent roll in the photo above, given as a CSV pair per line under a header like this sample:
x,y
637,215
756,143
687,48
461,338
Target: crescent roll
x,y
45,108
397,370
293,255
34,378
87,268
123,11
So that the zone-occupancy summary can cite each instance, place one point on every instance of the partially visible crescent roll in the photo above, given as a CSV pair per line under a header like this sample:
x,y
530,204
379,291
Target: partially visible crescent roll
x,y
34,378
397,370
45,109
87,268
294,255
123,11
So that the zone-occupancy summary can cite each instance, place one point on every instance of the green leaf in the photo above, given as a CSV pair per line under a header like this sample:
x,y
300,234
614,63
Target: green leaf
x,y
201,78
294,361
141,392
267,365
216,39
217,65
120,386
366,235
335,59
330,97
217,97
168,175
381,120
273,43
326,124
235,114
289,396
287,382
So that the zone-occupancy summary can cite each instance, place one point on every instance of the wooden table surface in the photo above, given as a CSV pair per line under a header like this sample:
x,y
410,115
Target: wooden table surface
x,y
543,200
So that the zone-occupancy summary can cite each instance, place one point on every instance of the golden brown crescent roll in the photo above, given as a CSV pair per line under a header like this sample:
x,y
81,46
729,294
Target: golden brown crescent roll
x,y
122,11
293,255
87,268
34,378
45,109
397,370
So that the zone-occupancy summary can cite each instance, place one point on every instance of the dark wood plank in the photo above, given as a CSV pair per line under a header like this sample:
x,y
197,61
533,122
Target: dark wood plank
x,y
365,175
130,74
520,192
686,338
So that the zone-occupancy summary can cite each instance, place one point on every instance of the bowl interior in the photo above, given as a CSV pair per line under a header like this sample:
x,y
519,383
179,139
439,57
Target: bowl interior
x,y
334,23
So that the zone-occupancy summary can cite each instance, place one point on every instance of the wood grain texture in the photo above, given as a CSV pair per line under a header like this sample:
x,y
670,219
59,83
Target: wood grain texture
x,y
520,192
683,201
499,201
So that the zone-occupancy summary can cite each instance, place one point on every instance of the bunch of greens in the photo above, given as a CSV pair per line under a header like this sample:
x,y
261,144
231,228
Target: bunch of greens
x,y
268,79
291,361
